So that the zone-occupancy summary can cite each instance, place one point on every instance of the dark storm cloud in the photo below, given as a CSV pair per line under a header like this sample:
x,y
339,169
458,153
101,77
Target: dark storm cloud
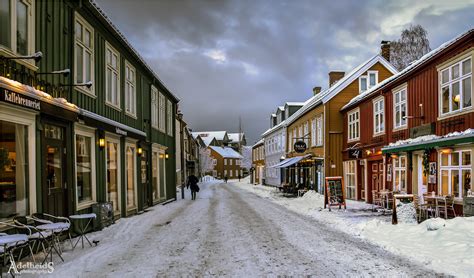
x,y
226,59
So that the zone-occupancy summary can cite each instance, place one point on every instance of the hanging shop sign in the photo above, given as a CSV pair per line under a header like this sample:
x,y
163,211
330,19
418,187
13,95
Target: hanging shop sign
x,y
120,131
354,153
334,193
21,100
299,146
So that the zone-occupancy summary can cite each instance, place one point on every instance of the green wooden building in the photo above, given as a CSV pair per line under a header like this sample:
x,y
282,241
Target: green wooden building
x,y
89,122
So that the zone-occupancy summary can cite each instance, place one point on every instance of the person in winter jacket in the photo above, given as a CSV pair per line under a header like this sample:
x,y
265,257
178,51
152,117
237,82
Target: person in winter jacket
x,y
193,184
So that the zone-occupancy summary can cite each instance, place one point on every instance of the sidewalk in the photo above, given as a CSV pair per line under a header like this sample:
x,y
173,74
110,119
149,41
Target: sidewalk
x,y
442,245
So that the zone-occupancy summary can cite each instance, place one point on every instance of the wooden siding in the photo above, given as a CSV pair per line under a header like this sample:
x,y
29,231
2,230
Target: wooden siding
x,y
306,118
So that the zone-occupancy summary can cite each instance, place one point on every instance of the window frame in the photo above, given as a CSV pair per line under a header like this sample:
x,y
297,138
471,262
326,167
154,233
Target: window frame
x,y
169,117
400,104
133,144
161,112
397,170
154,107
109,47
354,122
90,92
366,83
12,50
133,84
376,73
381,114
319,131
450,168
448,67
347,176
86,132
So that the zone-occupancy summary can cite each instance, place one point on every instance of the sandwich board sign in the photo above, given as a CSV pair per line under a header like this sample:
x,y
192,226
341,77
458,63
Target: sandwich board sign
x,y
334,193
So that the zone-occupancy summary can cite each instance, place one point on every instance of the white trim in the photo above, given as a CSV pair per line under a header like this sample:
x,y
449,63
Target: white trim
x,y
366,83
86,132
109,137
353,122
133,144
382,116
155,106
376,72
133,108
28,118
90,92
109,66
451,168
398,90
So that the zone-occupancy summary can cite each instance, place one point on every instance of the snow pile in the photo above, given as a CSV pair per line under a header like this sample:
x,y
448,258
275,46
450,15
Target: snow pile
x,y
431,137
406,213
446,246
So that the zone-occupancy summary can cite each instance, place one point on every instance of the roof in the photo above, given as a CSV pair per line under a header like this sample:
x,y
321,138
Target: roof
x,y
294,103
121,37
259,142
282,108
226,152
219,135
341,84
413,66
234,137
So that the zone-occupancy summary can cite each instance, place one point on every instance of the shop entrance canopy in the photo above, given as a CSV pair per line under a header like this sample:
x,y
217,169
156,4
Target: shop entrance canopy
x,y
290,161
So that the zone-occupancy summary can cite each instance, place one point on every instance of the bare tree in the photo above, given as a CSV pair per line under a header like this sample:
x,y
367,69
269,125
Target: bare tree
x,y
247,154
411,46
206,162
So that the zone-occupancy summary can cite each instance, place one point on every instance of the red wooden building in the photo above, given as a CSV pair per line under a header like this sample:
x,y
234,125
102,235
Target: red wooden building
x,y
414,132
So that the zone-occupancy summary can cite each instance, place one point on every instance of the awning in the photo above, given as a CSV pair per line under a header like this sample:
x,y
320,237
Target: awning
x,y
452,139
290,161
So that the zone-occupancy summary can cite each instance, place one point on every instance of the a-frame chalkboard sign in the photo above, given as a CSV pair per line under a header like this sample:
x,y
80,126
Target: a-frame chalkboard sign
x,y
334,193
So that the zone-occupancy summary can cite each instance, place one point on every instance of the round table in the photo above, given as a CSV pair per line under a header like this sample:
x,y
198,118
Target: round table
x,y
82,229
54,228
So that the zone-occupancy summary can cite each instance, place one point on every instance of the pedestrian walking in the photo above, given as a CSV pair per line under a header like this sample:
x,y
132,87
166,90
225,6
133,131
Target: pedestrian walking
x,y
239,177
225,179
193,184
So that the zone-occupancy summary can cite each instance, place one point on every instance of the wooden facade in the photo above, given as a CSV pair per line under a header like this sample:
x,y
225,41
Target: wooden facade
x,y
224,166
258,162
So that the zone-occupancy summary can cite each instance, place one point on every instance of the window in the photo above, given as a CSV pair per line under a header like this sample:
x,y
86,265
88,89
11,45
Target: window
x,y
130,91
84,54
230,161
130,175
225,161
214,162
162,112
13,170
400,108
17,27
85,167
362,83
456,83
154,107
368,81
305,133
400,173
353,125
113,173
455,173
379,126
319,123
350,178
169,117
112,74
313,132
373,78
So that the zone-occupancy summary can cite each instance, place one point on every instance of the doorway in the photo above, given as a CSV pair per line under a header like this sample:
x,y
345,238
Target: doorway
x,y
422,178
145,181
54,185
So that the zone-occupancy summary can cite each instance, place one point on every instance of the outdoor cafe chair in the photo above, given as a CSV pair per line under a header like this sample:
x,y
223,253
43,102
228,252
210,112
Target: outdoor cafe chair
x,y
9,243
61,225
376,199
38,237
445,206
430,205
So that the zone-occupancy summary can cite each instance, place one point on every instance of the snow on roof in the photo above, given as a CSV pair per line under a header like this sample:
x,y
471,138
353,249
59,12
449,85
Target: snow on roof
x,y
129,45
234,137
431,137
226,152
407,70
294,103
342,83
259,142
219,135
207,140
282,108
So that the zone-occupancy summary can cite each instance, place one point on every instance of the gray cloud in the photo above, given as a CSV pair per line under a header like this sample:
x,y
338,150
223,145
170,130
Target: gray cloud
x,y
226,59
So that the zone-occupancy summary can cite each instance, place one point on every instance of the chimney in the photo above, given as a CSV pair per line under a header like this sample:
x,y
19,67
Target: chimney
x,y
334,76
316,90
385,50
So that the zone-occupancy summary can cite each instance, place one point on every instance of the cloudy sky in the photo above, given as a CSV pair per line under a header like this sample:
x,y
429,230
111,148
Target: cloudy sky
x,y
226,59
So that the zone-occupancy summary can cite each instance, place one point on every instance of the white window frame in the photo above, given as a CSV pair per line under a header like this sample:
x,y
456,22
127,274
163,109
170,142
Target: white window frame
x,y
214,162
374,72
109,137
347,177
161,112
451,168
130,90
169,117
86,132
11,50
353,125
306,133
403,121
398,170
154,107
319,132
110,102
88,91
133,144
450,83
313,132
360,83
379,126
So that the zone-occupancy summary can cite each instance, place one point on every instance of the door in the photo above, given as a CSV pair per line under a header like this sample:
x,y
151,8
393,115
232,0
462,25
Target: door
x,y
260,175
54,187
422,178
145,181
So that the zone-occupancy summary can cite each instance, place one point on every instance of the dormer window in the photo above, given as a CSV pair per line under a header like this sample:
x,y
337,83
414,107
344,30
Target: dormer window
x,y
368,81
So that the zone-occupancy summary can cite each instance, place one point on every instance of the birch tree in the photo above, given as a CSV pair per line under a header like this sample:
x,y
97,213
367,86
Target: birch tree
x,y
411,46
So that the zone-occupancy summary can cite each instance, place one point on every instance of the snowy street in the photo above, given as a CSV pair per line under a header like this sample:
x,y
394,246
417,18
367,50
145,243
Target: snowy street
x,y
228,231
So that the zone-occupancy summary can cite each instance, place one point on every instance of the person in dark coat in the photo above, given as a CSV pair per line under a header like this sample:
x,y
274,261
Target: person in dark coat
x,y
193,184
225,179
239,177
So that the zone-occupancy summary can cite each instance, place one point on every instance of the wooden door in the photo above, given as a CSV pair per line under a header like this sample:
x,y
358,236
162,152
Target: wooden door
x,y
377,176
54,181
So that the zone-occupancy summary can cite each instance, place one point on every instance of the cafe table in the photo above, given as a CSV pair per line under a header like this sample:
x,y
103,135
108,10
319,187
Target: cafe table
x,y
436,200
81,218
55,229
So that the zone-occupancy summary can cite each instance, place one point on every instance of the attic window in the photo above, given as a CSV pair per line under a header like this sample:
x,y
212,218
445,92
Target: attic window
x,y
368,81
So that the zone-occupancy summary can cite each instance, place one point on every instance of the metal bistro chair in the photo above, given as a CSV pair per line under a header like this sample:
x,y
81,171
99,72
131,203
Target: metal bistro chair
x,y
16,241
421,209
445,206
376,200
38,237
63,225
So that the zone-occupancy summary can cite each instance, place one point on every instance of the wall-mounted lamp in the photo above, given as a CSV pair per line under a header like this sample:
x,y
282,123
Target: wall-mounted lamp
x,y
394,156
167,155
36,56
446,150
101,140
368,152
87,84
379,152
64,72
139,150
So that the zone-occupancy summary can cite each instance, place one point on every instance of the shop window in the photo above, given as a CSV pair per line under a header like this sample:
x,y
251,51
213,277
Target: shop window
x,y
17,19
13,170
112,76
400,108
353,125
84,54
130,91
400,174
455,173
155,174
113,176
85,168
350,178
456,87
130,175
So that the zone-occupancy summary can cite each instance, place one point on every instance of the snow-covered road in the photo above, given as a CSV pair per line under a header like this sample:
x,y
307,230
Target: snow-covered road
x,y
229,231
